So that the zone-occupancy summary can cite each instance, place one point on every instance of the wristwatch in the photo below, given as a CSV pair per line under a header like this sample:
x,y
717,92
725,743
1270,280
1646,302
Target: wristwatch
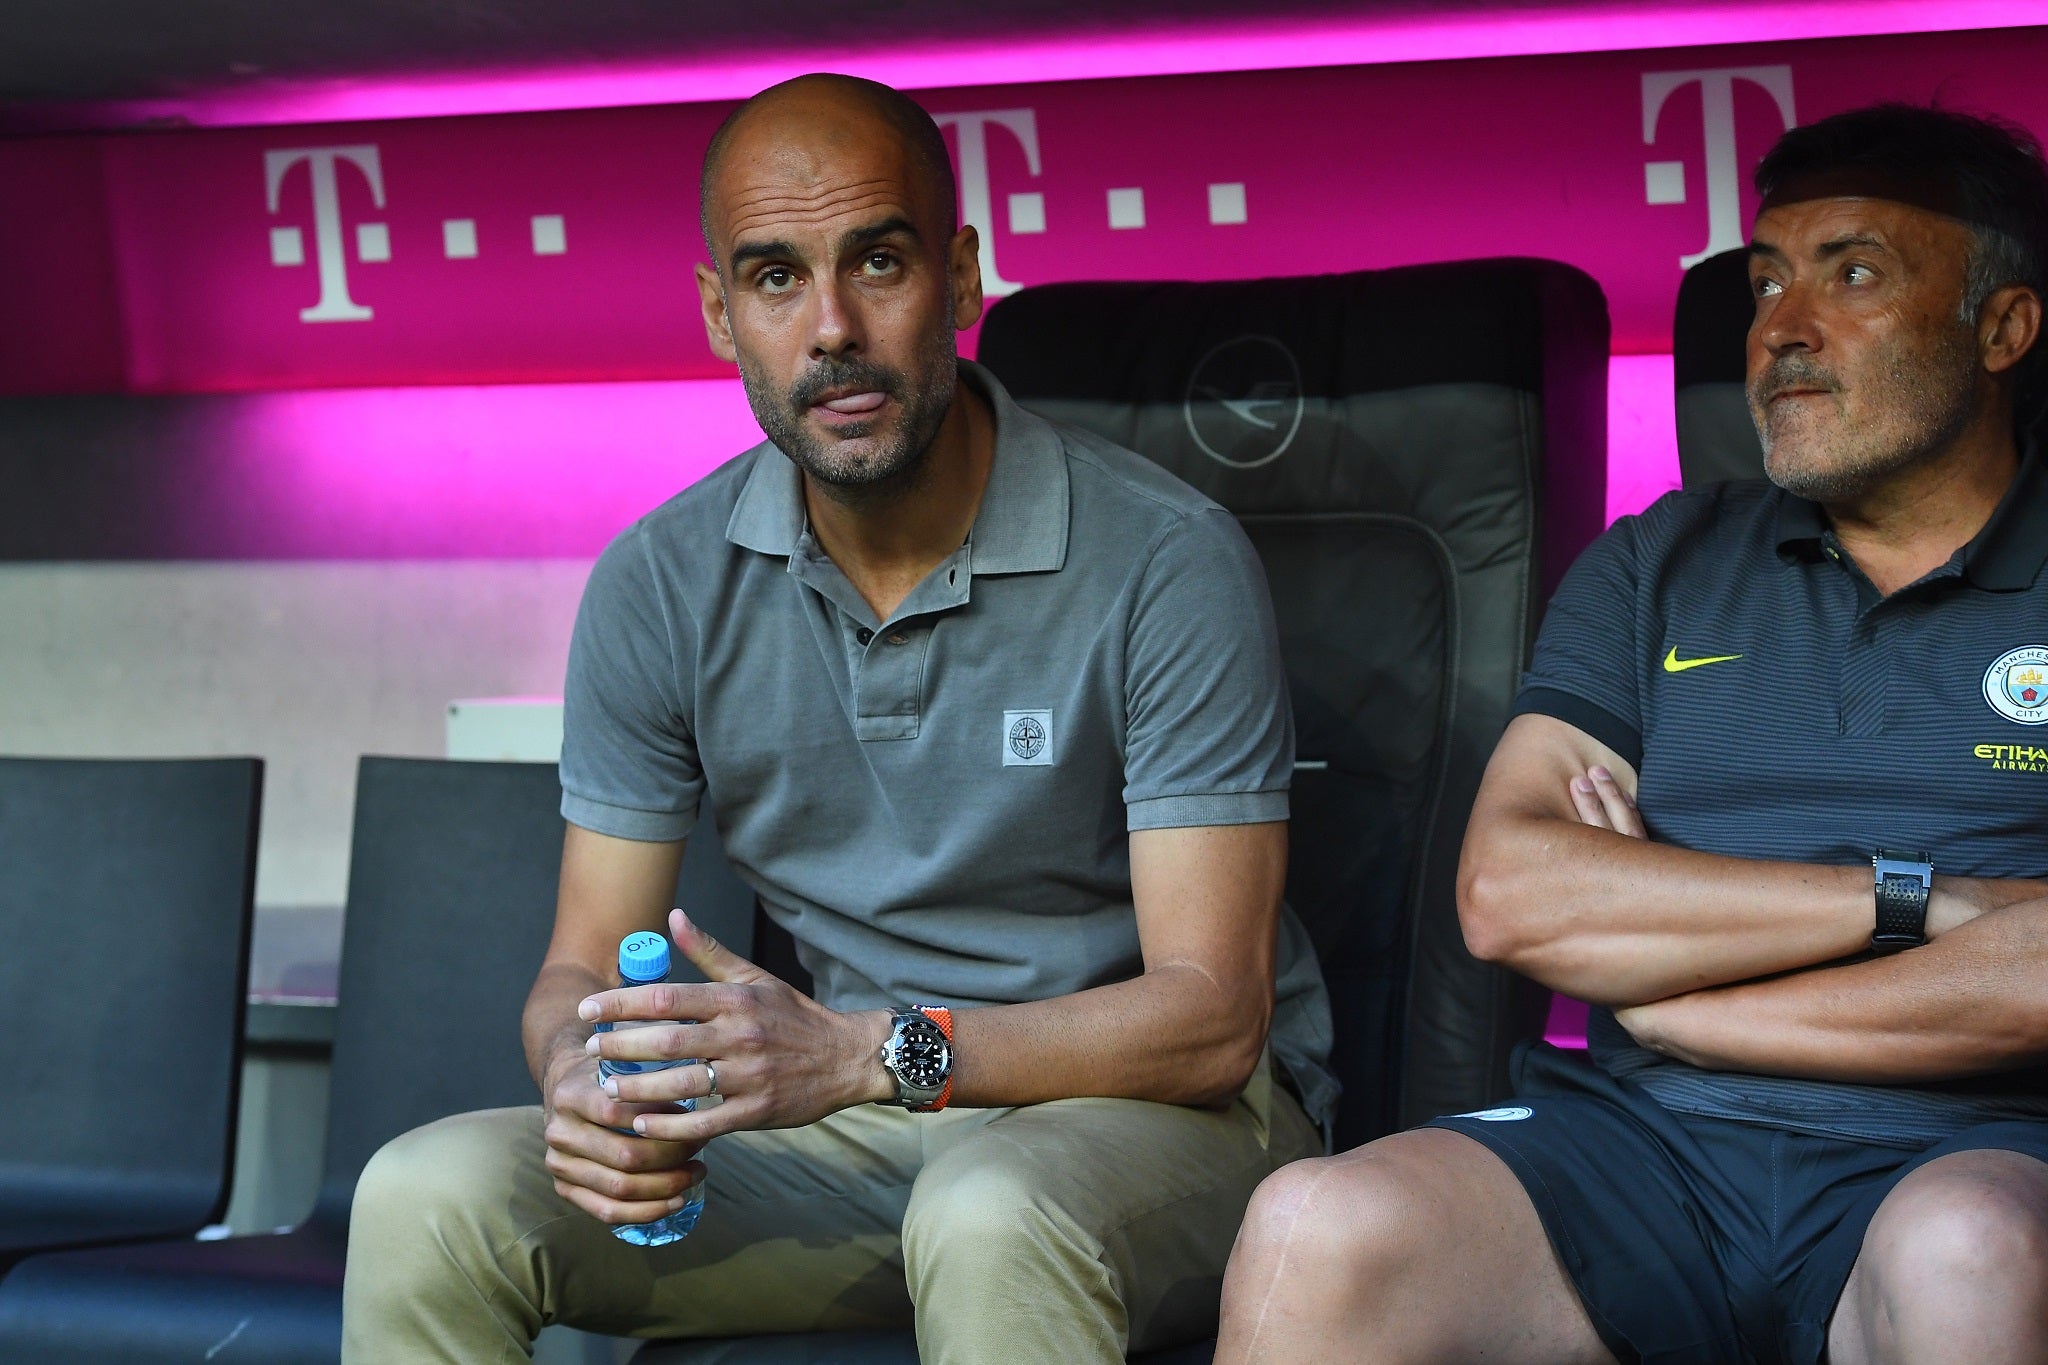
x,y
919,1054
1903,883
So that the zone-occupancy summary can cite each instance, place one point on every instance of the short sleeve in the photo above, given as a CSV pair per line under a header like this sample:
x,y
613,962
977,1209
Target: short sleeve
x,y
629,759
1587,671
1210,736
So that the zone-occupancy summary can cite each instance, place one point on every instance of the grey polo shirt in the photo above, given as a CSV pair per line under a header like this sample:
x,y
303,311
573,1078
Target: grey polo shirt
x,y
937,805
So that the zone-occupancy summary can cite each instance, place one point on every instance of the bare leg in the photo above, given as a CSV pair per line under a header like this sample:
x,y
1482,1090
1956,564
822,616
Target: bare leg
x,y
1953,1267
1418,1247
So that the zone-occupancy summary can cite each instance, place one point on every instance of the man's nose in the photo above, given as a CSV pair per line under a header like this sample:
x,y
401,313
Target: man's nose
x,y
1788,322
835,320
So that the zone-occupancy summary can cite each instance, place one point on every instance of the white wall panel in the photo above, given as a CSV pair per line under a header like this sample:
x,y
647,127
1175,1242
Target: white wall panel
x,y
305,664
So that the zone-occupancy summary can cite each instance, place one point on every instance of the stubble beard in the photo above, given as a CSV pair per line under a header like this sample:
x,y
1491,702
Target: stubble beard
x,y
1924,401
878,474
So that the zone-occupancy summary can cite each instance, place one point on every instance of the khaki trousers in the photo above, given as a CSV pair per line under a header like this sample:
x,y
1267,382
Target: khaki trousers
x,y
1064,1232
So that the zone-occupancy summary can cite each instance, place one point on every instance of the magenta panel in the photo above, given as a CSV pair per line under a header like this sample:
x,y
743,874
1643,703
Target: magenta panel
x,y
539,471
62,331
1169,46
534,247
558,246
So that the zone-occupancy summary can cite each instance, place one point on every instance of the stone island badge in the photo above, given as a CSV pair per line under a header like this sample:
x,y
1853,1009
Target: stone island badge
x,y
2016,685
1027,739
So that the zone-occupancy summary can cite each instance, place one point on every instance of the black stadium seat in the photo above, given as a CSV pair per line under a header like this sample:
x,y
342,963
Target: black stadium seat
x,y
451,899
1418,454
1716,439
126,889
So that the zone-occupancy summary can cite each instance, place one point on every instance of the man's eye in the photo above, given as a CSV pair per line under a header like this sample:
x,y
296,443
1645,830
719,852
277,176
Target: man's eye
x,y
1765,288
777,279
1857,274
878,263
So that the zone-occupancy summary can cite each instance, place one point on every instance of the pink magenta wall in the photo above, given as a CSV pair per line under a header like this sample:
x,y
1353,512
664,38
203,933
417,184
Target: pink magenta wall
x,y
558,246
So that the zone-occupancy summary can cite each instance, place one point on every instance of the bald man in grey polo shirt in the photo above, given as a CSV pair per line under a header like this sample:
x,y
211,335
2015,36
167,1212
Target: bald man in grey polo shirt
x,y
992,716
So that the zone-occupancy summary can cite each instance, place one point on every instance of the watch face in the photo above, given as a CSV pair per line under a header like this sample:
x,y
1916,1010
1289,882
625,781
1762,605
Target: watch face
x,y
923,1056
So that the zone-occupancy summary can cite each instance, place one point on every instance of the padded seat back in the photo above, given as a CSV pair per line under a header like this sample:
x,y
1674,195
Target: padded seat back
x,y
126,893
1717,440
1416,454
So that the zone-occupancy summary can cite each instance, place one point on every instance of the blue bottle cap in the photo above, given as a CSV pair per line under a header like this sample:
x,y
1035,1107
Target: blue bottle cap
x,y
643,958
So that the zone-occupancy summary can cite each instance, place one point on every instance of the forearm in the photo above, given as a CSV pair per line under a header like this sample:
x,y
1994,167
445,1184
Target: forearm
x,y
1973,1001
1619,920
549,1027
1175,1035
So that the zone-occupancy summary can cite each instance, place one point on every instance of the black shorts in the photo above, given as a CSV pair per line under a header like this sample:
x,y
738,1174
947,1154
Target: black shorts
x,y
1698,1241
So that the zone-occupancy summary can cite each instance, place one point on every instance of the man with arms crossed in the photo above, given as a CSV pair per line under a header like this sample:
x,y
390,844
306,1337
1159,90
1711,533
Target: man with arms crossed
x,y
1816,1129
992,717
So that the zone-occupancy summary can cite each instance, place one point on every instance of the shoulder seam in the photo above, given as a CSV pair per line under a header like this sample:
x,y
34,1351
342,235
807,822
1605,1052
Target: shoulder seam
x,y
1081,450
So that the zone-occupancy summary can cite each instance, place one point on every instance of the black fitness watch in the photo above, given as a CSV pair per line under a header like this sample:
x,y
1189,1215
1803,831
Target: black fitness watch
x,y
1903,883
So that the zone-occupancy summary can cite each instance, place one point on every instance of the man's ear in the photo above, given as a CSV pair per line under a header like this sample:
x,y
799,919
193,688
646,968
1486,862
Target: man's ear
x,y
717,325
963,271
2008,326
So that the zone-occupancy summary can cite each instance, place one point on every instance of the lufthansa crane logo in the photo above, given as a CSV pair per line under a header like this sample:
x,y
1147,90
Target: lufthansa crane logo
x,y
1243,403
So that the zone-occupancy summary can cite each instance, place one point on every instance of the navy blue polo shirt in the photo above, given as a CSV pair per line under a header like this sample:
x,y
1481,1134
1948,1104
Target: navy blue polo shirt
x,y
1775,706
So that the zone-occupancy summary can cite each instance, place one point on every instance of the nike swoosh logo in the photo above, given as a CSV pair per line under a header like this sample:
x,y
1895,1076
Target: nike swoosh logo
x,y
1674,664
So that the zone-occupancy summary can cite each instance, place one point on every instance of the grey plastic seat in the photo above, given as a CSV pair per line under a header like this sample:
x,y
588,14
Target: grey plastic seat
x,y
126,889
451,862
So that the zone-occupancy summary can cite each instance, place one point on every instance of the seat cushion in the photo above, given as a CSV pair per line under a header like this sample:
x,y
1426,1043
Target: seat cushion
x,y
268,1300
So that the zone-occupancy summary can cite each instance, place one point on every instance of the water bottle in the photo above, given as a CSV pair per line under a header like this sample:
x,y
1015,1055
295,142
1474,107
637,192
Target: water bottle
x,y
644,960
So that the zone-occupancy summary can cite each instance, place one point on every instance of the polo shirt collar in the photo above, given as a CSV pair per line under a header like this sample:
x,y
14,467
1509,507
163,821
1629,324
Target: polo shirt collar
x,y
2004,556
2007,554
1021,526
769,515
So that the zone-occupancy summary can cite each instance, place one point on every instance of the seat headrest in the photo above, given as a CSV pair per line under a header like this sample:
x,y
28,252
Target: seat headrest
x,y
1710,328
1377,391
1716,439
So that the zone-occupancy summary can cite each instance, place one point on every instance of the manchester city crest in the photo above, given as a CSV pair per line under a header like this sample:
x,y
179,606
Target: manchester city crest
x,y
2016,685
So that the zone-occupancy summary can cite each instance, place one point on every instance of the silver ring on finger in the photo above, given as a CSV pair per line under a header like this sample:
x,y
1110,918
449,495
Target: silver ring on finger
x,y
711,1078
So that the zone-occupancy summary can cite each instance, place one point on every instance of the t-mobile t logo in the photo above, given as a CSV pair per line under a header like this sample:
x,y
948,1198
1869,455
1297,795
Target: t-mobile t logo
x,y
288,244
1664,181
1027,210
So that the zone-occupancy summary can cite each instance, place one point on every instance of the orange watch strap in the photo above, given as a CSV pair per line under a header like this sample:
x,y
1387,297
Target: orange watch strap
x,y
943,1017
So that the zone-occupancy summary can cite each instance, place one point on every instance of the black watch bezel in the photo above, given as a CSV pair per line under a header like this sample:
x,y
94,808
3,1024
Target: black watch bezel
x,y
920,1057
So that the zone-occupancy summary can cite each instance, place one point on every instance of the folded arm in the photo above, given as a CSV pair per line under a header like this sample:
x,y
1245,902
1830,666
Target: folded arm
x,y
1587,909
1974,1001
1618,920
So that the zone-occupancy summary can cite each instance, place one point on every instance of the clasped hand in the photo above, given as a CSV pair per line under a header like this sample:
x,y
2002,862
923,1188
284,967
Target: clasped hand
x,y
782,1060
622,1153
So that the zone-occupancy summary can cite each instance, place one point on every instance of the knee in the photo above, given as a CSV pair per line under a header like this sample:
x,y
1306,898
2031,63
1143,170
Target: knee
x,y
434,1175
1977,1232
1354,1215
987,1210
